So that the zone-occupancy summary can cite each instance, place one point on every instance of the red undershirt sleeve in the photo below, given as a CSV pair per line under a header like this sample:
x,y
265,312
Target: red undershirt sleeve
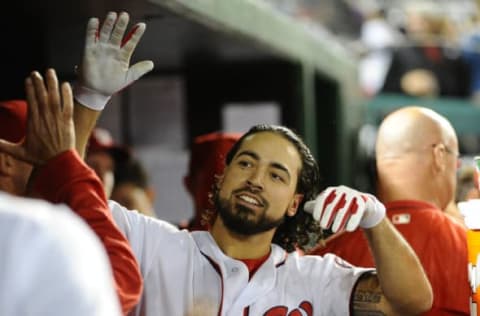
x,y
67,179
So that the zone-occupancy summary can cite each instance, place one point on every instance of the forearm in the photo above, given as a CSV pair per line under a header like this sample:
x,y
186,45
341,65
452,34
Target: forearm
x,y
85,120
401,275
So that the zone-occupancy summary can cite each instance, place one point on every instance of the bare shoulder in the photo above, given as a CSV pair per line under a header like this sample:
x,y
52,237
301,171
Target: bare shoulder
x,y
368,298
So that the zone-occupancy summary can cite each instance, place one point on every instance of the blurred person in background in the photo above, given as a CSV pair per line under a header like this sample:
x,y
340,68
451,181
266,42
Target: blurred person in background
x,y
468,196
430,63
470,45
467,189
378,37
207,161
102,155
131,187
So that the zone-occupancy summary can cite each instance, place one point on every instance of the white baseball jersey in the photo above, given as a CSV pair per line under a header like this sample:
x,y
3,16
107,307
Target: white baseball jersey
x,y
187,274
51,263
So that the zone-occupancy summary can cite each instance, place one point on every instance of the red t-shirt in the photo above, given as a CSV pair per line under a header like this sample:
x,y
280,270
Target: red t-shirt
x,y
254,264
439,242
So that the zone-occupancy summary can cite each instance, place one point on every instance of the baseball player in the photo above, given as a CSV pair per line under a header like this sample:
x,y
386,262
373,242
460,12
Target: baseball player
x,y
235,269
104,155
51,262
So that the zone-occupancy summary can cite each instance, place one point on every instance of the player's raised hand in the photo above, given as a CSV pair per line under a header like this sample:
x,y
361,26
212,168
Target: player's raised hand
x,y
342,208
105,67
50,129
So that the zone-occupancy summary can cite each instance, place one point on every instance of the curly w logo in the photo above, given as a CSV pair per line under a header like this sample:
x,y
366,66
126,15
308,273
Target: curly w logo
x,y
304,309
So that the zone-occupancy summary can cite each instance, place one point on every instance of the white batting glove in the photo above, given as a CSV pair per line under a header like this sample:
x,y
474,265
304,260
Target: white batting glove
x,y
341,208
105,68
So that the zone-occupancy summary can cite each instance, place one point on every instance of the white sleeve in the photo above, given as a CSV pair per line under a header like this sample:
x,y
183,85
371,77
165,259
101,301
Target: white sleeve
x,y
340,280
52,264
331,282
146,235
165,255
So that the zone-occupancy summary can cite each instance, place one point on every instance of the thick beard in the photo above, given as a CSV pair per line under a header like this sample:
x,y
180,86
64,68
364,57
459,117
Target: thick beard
x,y
238,221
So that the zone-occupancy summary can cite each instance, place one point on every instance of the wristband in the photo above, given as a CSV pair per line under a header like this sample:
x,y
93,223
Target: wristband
x,y
90,98
374,213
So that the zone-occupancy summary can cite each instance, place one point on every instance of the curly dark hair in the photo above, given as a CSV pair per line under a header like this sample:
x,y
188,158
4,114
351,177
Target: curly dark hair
x,y
299,231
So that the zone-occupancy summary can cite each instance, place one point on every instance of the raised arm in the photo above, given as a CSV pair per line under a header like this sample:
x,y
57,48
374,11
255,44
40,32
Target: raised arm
x,y
400,285
105,70
62,177
401,281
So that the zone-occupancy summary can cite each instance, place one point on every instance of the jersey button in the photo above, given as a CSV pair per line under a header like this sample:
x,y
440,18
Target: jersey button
x,y
234,269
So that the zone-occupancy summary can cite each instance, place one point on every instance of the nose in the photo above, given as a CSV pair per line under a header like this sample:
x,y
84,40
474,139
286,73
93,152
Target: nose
x,y
255,181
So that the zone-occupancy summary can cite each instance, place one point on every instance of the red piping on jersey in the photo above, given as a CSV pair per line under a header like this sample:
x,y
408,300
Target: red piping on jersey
x,y
246,310
281,263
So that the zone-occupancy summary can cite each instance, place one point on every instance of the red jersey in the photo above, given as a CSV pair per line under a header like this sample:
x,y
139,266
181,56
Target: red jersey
x,y
439,242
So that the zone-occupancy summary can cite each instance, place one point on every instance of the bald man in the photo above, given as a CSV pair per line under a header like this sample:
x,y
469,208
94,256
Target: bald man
x,y
417,158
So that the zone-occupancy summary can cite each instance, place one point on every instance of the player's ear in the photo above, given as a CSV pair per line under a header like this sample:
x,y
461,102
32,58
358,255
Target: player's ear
x,y
150,194
294,204
219,180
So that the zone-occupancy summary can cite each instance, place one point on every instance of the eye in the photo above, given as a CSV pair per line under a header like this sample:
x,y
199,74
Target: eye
x,y
244,164
277,177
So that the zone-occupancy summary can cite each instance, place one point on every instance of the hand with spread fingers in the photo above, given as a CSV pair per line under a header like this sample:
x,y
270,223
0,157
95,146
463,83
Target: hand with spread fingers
x,y
342,208
50,129
105,68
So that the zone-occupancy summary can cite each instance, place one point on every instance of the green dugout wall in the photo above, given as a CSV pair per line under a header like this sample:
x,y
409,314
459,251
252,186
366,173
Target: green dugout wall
x,y
464,115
